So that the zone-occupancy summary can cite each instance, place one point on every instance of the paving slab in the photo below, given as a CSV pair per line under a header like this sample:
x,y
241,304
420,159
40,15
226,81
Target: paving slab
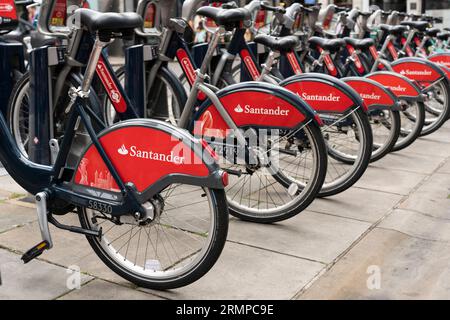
x,y
12,216
104,290
9,185
409,268
418,225
302,236
411,162
356,203
390,180
244,272
69,248
433,197
445,168
37,280
443,134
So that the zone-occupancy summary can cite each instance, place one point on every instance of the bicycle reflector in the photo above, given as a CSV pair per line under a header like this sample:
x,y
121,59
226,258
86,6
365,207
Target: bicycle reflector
x,y
8,15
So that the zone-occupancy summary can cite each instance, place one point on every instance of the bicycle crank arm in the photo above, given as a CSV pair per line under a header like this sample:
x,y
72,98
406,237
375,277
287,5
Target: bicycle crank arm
x,y
46,244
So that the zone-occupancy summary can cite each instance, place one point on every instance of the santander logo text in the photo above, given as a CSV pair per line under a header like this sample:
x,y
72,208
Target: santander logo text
x,y
317,97
397,88
247,109
370,96
408,72
135,152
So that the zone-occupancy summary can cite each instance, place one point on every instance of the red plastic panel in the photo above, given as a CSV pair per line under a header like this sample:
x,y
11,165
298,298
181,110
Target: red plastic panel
x,y
416,71
441,58
370,93
398,85
141,156
112,90
249,108
250,64
322,97
8,10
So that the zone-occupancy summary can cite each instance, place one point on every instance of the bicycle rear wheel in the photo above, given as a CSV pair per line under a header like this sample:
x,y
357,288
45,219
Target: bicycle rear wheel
x,y
286,185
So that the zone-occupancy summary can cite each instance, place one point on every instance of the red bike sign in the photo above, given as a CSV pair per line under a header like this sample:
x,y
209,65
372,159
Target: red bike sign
x,y
401,86
8,15
373,93
421,71
441,58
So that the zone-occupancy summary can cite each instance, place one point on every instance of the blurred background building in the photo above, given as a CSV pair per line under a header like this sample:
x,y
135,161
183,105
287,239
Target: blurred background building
x,y
438,8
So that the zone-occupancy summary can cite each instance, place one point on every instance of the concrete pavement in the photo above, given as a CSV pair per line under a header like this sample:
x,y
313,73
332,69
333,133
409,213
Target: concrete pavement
x,y
387,237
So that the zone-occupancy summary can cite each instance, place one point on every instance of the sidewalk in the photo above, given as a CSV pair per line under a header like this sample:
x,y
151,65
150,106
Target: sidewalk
x,y
391,230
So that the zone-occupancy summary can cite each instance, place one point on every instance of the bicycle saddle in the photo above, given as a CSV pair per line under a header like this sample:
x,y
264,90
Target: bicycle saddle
x,y
359,43
225,17
432,32
110,22
288,43
327,44
394,30
419,25
443,35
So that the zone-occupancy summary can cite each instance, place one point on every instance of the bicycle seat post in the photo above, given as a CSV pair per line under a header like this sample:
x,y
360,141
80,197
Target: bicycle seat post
x,y
89,74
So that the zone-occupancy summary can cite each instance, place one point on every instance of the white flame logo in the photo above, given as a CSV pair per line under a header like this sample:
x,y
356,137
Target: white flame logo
x,y
238,109
123,150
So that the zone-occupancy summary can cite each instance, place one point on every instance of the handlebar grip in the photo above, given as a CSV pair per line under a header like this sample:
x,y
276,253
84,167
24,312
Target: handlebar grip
x,y
272,8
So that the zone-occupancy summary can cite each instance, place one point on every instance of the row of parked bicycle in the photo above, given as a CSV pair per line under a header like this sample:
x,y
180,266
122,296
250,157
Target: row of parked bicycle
x,y
152,161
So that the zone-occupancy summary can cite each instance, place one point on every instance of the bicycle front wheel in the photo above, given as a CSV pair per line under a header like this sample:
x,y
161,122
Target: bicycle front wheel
x,y
178,247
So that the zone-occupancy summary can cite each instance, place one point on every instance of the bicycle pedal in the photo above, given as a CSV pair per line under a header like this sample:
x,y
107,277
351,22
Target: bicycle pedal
x,y
35,252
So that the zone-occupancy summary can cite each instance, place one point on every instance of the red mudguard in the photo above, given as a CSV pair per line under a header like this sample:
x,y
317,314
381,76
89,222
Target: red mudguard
x,y
422,71
375,95
8,15
252,104
324,93
401,86
145,153
441,58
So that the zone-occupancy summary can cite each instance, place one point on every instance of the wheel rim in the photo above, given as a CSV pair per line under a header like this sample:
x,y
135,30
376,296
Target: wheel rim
x,y
262,194
345,148
383,130
170,248
408,121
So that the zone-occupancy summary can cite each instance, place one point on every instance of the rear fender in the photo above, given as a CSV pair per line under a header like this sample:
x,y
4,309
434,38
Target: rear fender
x,y
151,155
253,105
441,58
375,95
401,86
324,93
422,71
